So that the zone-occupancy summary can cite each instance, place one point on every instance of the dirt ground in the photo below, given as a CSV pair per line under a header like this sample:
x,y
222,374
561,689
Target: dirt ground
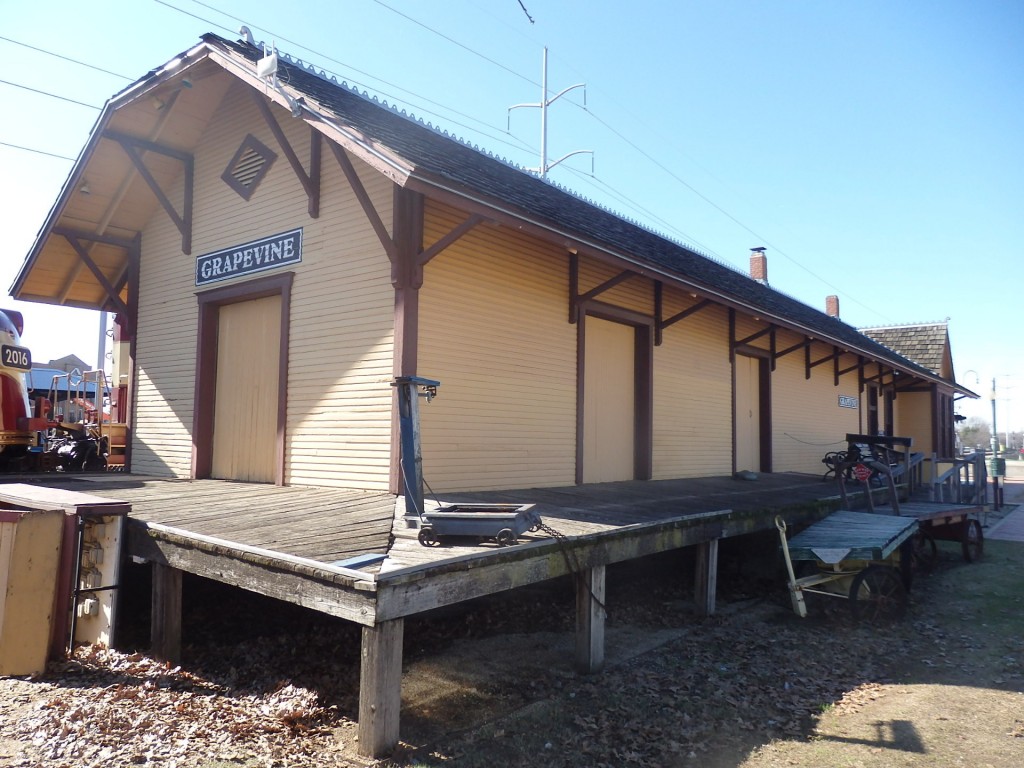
x,y
265,684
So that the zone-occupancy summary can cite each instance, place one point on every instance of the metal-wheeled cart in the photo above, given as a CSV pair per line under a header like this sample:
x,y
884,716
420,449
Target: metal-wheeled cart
x,y
942,521
860,556
503,523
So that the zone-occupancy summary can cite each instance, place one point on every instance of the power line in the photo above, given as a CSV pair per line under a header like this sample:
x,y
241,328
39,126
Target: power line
x,y
36,151
650,159
456,42
448,111
51,95
199,18
65,58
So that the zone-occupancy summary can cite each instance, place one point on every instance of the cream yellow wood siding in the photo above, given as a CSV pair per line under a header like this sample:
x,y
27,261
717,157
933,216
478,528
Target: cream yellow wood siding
x,y
245,420
609,396
341,323
494,330
913,417
748,413
636,293
808,421
692,396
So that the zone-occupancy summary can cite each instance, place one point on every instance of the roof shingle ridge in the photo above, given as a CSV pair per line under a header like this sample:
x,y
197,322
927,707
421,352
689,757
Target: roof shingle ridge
x,y
887,326
329,77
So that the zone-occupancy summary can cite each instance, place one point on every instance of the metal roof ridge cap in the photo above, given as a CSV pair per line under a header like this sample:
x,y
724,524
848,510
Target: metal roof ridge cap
x,y
229,63
187,59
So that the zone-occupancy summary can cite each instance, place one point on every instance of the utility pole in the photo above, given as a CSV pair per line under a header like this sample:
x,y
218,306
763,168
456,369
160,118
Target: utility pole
x,y
543,104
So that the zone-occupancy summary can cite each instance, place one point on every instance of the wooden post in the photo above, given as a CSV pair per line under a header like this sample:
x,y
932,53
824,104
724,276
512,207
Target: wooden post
x,y
380,688
165,626
590,616
705,578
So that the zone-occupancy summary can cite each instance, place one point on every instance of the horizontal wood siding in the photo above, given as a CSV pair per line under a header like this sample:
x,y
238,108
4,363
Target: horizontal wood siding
x,y
807,421
692,394
341,333
912,414
494,330
636,293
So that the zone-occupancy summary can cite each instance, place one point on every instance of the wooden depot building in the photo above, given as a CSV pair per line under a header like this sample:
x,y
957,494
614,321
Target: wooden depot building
x,y
278,248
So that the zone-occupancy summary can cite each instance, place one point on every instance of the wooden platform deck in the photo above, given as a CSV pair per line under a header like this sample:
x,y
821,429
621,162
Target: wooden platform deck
x,y
297,544
312,530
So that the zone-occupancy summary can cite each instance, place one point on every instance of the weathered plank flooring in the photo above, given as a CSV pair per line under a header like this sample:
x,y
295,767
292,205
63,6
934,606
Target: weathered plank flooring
x,y
323,524
329,525
587,510
852,535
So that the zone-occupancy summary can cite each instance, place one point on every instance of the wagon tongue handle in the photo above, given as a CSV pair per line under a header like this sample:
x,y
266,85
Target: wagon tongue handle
x,y
796,595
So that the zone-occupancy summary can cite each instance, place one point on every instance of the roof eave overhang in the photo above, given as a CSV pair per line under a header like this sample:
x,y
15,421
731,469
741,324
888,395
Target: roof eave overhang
x,y
134,91
426,184
391,165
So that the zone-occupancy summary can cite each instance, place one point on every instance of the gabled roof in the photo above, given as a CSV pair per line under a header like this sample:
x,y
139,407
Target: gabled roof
x,y
926,344
409,152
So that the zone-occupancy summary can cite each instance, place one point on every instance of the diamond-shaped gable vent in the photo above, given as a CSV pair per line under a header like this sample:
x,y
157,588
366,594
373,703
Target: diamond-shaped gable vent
x,y
247,168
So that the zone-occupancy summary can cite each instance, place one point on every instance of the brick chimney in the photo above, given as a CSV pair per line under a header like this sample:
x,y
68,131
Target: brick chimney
x,y
759,265
832,306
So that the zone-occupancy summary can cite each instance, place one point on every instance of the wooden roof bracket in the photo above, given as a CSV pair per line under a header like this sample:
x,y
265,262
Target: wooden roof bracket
x,y
364,200
770,329
134,147
455,234
732,335
805,345
808,365
879,378
75,238
310,181
843,371
831,357
577,299
660,325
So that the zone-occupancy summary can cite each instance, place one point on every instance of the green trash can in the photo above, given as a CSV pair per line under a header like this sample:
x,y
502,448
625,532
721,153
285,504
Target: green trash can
x,y
997,467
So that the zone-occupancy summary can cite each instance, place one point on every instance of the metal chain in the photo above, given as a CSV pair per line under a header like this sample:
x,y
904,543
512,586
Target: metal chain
x,y
571,561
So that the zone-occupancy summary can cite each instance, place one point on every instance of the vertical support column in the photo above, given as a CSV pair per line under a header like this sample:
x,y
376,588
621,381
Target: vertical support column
x,y
380,688
590,616
706,577
165,627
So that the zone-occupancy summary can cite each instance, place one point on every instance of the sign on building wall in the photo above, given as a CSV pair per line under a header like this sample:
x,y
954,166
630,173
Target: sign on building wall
x,y
258,256
846,401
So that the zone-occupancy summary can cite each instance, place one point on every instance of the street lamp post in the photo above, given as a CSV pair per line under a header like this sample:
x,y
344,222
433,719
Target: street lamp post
x,y
997,465
995,433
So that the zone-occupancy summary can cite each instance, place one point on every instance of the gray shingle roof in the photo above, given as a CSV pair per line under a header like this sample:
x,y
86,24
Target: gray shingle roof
x,y
439,158
925,344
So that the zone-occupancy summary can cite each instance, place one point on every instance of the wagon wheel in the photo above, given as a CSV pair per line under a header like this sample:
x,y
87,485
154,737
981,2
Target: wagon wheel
x,y
427,537
926,552
906,564
505,537
877,594
973,541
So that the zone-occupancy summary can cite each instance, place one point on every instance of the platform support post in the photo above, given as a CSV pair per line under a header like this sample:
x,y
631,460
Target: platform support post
x,y
380,688
165,616
705,578
590,617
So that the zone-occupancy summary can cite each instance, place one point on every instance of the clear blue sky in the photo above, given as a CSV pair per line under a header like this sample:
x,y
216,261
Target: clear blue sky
x,y
874,147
